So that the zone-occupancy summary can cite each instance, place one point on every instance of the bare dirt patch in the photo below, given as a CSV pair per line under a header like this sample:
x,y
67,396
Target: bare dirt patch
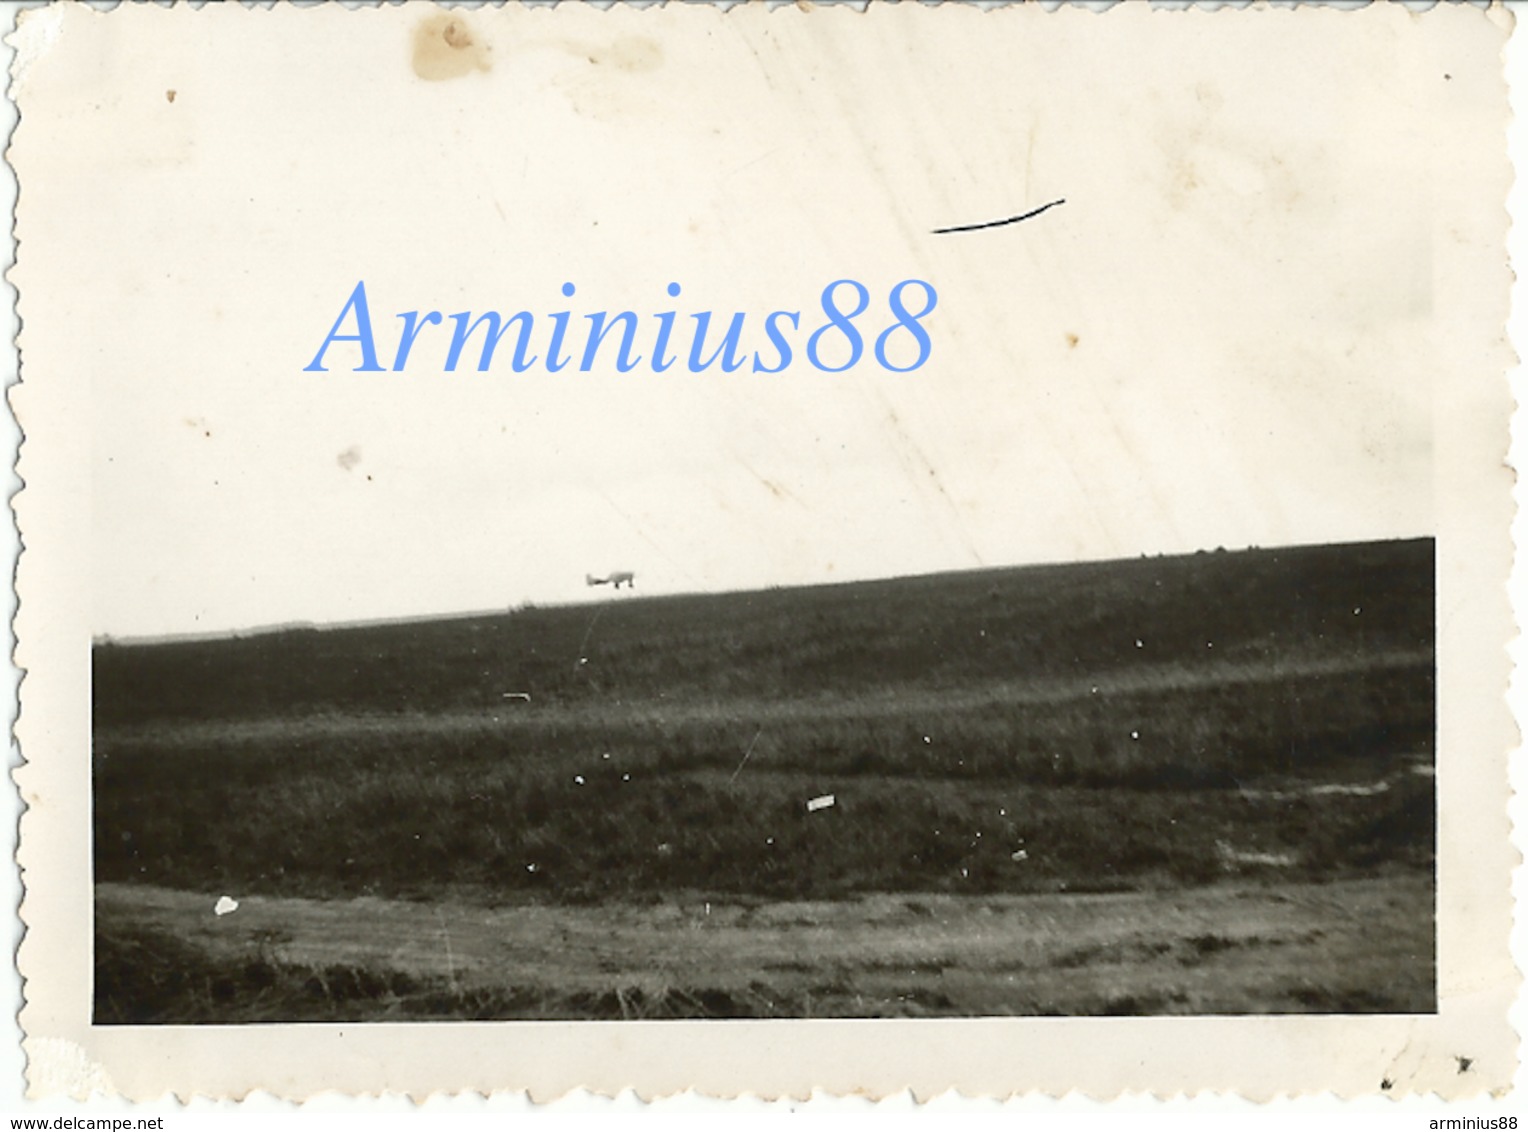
x,y
1354,945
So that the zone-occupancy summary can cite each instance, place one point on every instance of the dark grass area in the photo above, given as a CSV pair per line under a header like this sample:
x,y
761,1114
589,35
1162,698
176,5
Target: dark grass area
x,y
940,632
413,832
1151,724
958,720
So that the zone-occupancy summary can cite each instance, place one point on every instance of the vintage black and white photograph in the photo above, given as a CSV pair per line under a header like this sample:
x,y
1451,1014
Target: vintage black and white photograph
x,y
772,515
1170,784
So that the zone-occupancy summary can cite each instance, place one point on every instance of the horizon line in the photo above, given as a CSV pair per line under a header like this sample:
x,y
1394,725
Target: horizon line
x,y
274,627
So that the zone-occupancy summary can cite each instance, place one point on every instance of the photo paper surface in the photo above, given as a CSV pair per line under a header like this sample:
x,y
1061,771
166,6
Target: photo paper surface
x,y
763,550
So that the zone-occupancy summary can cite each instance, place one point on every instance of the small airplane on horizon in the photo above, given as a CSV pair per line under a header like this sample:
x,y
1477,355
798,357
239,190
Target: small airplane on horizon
x,y
617,579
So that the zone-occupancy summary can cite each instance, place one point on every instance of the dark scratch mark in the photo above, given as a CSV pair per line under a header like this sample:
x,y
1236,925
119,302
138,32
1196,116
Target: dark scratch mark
x,y
1464,1063
998,223
775,489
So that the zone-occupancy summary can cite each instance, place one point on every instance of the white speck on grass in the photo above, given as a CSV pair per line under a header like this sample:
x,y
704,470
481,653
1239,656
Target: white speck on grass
x,y
578,778
606,755
225,905
926,739
821,802
1138,643
1019,855
625,778
1135,735
533,868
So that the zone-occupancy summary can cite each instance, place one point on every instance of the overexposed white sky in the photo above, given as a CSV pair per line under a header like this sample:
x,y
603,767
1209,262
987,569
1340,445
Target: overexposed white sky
x,y
1230,334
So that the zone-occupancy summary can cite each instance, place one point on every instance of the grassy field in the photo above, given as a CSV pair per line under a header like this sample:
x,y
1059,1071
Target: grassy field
x,y
1142,726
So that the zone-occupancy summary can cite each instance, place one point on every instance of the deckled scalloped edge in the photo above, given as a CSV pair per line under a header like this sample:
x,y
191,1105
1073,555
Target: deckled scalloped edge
x,y
88,1079
12,1058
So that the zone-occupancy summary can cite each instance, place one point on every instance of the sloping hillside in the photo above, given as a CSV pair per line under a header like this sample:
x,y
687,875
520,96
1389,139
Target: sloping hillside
x,y
1290,608
1098,726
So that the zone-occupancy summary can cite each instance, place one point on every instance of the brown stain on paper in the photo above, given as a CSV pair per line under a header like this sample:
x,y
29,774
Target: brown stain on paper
x,y
632,53
445,48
